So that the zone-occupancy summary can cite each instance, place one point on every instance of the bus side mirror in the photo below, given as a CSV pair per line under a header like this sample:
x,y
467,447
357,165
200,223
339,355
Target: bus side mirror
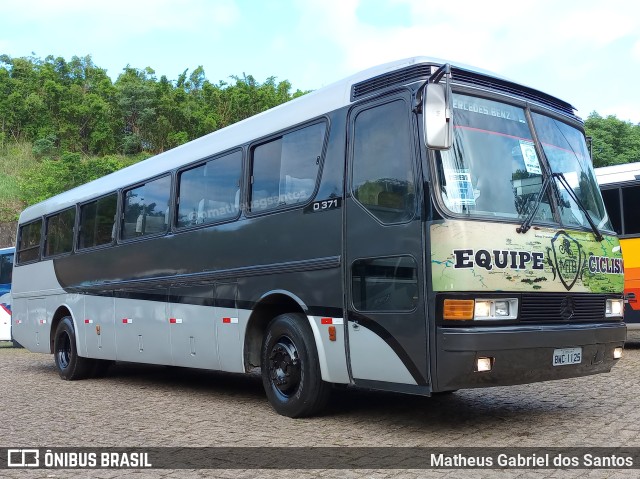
x,y
436,114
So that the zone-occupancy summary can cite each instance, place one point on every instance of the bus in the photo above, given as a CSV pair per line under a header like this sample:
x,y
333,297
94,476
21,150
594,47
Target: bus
x,y
620,185
419,227
6,270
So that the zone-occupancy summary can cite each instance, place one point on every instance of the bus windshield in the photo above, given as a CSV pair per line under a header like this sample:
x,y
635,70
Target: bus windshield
x,y
493,168
566,151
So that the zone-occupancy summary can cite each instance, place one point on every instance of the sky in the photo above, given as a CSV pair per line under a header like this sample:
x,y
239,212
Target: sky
x,y
585,52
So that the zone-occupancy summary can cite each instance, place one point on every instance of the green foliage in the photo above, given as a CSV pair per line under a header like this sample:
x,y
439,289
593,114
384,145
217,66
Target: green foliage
x,y
613,141
74,106
63,123
50,177
44,146
14,158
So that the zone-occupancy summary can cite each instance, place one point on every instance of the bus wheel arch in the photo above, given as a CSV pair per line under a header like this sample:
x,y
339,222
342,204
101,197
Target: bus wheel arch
x,y
270,306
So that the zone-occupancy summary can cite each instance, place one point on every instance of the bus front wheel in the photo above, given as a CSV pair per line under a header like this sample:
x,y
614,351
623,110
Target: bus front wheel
x,y
290,369
70,366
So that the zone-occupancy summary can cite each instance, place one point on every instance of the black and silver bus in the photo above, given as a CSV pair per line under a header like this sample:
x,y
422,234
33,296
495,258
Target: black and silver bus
x,y
418,227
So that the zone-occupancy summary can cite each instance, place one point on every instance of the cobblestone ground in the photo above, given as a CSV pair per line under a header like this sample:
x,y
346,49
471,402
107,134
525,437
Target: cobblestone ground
x,y
138,406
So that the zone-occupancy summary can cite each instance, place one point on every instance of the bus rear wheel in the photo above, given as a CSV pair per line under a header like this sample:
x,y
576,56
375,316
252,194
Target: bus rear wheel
x,y
70,366
290,368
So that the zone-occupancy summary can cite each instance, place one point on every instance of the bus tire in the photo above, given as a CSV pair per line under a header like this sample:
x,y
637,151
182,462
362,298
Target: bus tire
x,y
290,369
70,366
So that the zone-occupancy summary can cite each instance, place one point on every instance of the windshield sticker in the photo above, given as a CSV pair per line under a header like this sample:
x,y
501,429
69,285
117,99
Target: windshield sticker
x,y
530,157
488,107
459,188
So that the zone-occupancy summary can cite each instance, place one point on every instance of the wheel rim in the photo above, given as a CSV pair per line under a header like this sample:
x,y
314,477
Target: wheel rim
x,y
63,350
284,366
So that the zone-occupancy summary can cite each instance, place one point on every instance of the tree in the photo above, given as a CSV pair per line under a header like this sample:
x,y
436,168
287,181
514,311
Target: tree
x,y
613,141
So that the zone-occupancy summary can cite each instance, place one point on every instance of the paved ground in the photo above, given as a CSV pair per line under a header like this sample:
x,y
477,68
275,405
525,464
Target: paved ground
x,y
156,406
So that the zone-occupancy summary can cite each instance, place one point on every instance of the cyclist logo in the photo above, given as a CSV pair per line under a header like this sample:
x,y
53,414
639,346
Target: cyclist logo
x,y
568,258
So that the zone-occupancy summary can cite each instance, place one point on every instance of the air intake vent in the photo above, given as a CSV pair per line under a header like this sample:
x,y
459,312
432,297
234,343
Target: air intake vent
x,y
394,78
471,78
466,77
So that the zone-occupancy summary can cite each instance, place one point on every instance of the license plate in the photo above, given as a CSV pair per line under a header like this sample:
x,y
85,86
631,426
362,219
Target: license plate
x,y
562,357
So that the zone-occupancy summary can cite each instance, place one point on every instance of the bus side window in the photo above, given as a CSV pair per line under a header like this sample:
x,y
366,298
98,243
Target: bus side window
x,y
98,222
145,208
383,180
285,169
59,236
611,199
385,284
630,200
6,268
29,241
210,192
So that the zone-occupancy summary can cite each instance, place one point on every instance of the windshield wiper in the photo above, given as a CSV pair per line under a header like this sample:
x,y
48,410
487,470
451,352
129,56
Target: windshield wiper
x,y
565,183
526,225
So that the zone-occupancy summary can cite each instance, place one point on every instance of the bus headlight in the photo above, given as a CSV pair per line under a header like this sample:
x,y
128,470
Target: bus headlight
x,y
614,308
489,309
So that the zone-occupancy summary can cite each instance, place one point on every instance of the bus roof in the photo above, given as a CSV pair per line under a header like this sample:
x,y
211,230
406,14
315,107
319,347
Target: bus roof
x,y
299,110
624,173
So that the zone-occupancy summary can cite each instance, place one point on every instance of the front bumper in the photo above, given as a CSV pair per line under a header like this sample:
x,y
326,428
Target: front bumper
x,y
522,354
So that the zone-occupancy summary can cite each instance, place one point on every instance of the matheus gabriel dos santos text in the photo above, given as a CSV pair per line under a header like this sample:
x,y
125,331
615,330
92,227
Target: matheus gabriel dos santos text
x,y
530,461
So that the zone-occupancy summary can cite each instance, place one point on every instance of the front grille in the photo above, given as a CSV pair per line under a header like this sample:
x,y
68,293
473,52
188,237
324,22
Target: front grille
x,y
544,307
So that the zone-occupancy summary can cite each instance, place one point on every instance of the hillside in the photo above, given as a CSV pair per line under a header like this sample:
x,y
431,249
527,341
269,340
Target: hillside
x,y
63,123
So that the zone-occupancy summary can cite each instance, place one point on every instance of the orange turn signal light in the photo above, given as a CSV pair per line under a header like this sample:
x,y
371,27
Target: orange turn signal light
x,y
458,309
332,333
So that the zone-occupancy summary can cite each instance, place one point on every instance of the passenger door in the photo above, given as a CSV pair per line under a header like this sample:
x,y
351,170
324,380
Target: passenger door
x,y
384,248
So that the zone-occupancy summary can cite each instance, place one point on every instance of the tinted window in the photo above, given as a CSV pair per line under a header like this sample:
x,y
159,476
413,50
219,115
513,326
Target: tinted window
x,y
284,170
385,284
29,244
631,200
146,208
60,232
6,268
612,204
210,192
97,222
382,162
